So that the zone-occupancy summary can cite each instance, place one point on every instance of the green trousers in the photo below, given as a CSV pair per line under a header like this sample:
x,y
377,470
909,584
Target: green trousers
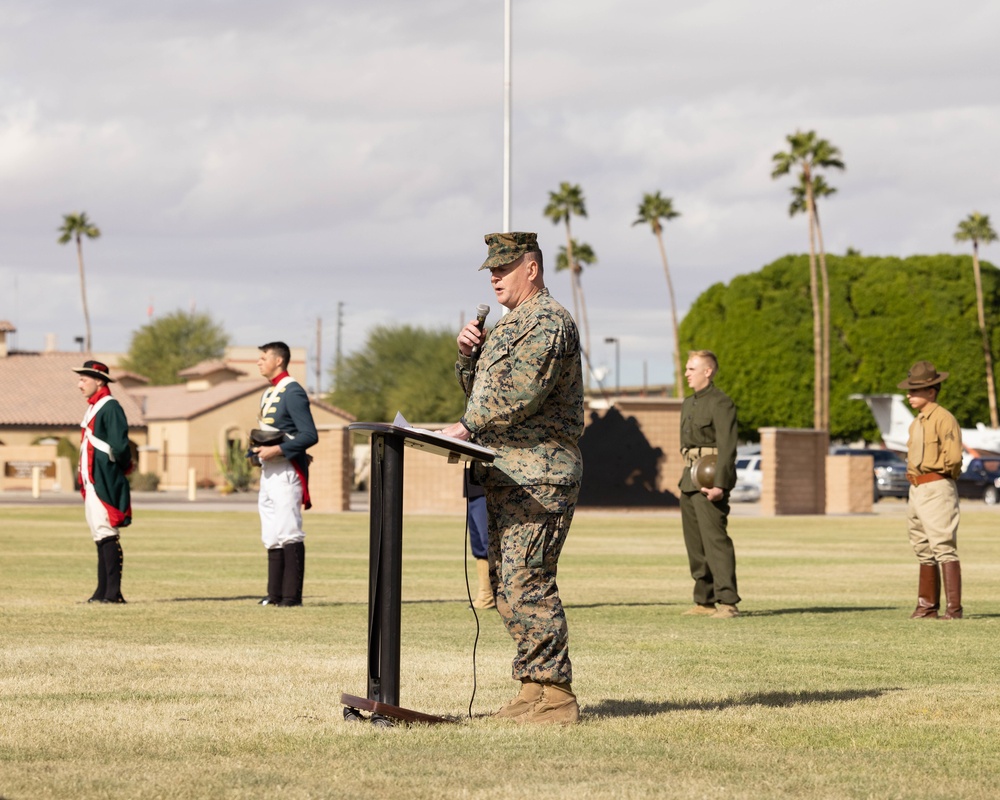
x,y
711,554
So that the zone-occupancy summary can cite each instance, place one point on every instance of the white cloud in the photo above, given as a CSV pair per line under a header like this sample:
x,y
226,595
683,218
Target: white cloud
x,y
268,161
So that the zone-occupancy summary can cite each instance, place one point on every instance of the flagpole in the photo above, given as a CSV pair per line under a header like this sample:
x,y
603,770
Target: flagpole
x,y
506,114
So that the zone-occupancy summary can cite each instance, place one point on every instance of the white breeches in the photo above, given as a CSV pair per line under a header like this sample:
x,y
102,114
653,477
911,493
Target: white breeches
x,y
280,504
97,516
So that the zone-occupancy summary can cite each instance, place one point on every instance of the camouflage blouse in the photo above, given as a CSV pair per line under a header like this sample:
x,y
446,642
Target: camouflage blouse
x,y
525,396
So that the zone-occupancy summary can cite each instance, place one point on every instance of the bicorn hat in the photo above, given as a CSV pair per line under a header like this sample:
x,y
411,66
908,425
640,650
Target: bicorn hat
x,y
922,375
508,247
95,369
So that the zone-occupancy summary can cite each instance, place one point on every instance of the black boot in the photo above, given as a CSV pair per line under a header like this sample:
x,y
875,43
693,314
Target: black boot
x,y
295,571
102,577
275,573
114,561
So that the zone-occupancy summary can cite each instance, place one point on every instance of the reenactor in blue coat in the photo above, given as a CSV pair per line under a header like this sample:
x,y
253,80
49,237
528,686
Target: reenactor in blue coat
x,y
285,431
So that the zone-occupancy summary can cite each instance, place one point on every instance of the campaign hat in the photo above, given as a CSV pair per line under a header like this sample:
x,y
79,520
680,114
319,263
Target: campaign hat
x,y
95,369
505,248
921,375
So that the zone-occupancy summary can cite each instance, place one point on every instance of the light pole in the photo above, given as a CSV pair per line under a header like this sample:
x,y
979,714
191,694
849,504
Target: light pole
x,y
614,340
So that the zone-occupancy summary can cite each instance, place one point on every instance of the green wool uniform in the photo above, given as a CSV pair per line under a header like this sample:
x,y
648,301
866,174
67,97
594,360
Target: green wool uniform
x,y
525,401
708,424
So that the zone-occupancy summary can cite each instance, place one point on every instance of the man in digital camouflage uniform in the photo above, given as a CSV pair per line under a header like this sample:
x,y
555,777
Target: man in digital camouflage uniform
x,y
525,402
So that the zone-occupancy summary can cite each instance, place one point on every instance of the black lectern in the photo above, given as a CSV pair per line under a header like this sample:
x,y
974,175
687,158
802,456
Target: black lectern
x,y
385,561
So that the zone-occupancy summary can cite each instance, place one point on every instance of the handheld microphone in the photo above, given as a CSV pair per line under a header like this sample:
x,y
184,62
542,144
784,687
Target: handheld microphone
x,y
482,312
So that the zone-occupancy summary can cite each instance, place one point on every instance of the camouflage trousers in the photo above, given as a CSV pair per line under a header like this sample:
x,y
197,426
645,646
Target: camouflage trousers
x,y
527,529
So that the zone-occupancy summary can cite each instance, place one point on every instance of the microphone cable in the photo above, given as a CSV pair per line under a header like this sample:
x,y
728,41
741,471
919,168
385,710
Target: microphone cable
x,y
466,545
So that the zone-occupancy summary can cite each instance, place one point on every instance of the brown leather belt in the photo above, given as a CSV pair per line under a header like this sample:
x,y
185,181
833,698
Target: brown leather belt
x,y
917,480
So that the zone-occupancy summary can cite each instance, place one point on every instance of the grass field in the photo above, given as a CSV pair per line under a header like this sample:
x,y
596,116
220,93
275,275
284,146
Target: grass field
x,y
823,689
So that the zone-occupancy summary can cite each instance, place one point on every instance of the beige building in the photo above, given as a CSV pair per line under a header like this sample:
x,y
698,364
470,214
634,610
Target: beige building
x,y
176,429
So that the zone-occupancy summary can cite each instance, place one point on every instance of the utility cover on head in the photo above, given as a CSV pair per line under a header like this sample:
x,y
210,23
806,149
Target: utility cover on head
x,y
508,247
703,472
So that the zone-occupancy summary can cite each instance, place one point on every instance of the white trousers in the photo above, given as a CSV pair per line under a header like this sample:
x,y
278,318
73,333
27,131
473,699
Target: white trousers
x,y
97,515
280,504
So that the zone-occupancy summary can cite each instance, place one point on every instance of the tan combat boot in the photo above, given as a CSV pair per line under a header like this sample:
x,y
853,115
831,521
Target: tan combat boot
x,y
725,611
530,694
484,599
700,610
557,706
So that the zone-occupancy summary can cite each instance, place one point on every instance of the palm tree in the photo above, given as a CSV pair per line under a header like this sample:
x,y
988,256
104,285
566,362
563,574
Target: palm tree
x,y
809,153
564,204
652,210
76,226
976,228
799,205
583,254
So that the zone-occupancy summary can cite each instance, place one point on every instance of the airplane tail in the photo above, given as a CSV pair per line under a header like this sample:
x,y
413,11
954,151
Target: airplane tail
x,y
892,417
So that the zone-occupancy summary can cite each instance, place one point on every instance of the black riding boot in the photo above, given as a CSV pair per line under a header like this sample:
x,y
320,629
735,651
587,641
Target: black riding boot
x,y
275,573
114,561
102,577
295,571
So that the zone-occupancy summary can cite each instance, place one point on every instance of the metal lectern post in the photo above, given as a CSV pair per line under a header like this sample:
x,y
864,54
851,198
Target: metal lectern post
x,y
385,568
385,562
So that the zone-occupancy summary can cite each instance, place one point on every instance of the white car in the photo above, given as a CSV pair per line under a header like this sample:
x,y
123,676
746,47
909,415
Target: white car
x,y
748,480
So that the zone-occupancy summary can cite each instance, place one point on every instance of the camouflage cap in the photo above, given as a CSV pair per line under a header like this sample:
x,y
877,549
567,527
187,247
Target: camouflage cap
x,y
508,247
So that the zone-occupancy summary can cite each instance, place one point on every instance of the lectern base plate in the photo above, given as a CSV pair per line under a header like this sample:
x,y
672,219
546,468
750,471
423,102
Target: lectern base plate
x,y
381,710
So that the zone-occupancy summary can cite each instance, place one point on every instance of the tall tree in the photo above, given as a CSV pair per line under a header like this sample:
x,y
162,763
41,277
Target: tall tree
x,y
401,368
653,210
976,228
583,254
808,153
879,307
800,204
76,226
564,204
165,346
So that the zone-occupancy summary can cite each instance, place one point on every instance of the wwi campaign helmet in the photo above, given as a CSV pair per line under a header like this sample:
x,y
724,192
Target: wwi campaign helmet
x,y
703,472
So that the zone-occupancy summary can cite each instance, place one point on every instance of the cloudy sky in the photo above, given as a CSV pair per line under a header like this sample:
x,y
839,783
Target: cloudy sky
x,y
267,161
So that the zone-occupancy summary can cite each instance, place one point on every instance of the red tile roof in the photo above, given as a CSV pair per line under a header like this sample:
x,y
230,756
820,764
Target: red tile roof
x,y
40,389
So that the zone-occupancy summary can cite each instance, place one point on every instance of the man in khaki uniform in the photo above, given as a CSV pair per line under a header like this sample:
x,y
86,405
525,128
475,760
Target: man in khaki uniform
x,y
933,461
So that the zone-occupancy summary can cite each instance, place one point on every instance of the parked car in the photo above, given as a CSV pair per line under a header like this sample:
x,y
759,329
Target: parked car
x,y
981,479
889,478
748,480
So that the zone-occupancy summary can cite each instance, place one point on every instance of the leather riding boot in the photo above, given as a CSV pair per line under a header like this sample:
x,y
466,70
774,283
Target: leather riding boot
x,y
102,577
557,706
294,574
951,572
484,599
928,593
530,694
114,561
275,574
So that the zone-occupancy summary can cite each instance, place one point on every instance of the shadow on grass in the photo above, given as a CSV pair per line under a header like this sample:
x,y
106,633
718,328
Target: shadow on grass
x,y
816,610
642,708
764,613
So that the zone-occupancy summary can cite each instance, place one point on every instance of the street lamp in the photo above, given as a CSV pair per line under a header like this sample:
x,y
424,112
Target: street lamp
x,y
614,340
